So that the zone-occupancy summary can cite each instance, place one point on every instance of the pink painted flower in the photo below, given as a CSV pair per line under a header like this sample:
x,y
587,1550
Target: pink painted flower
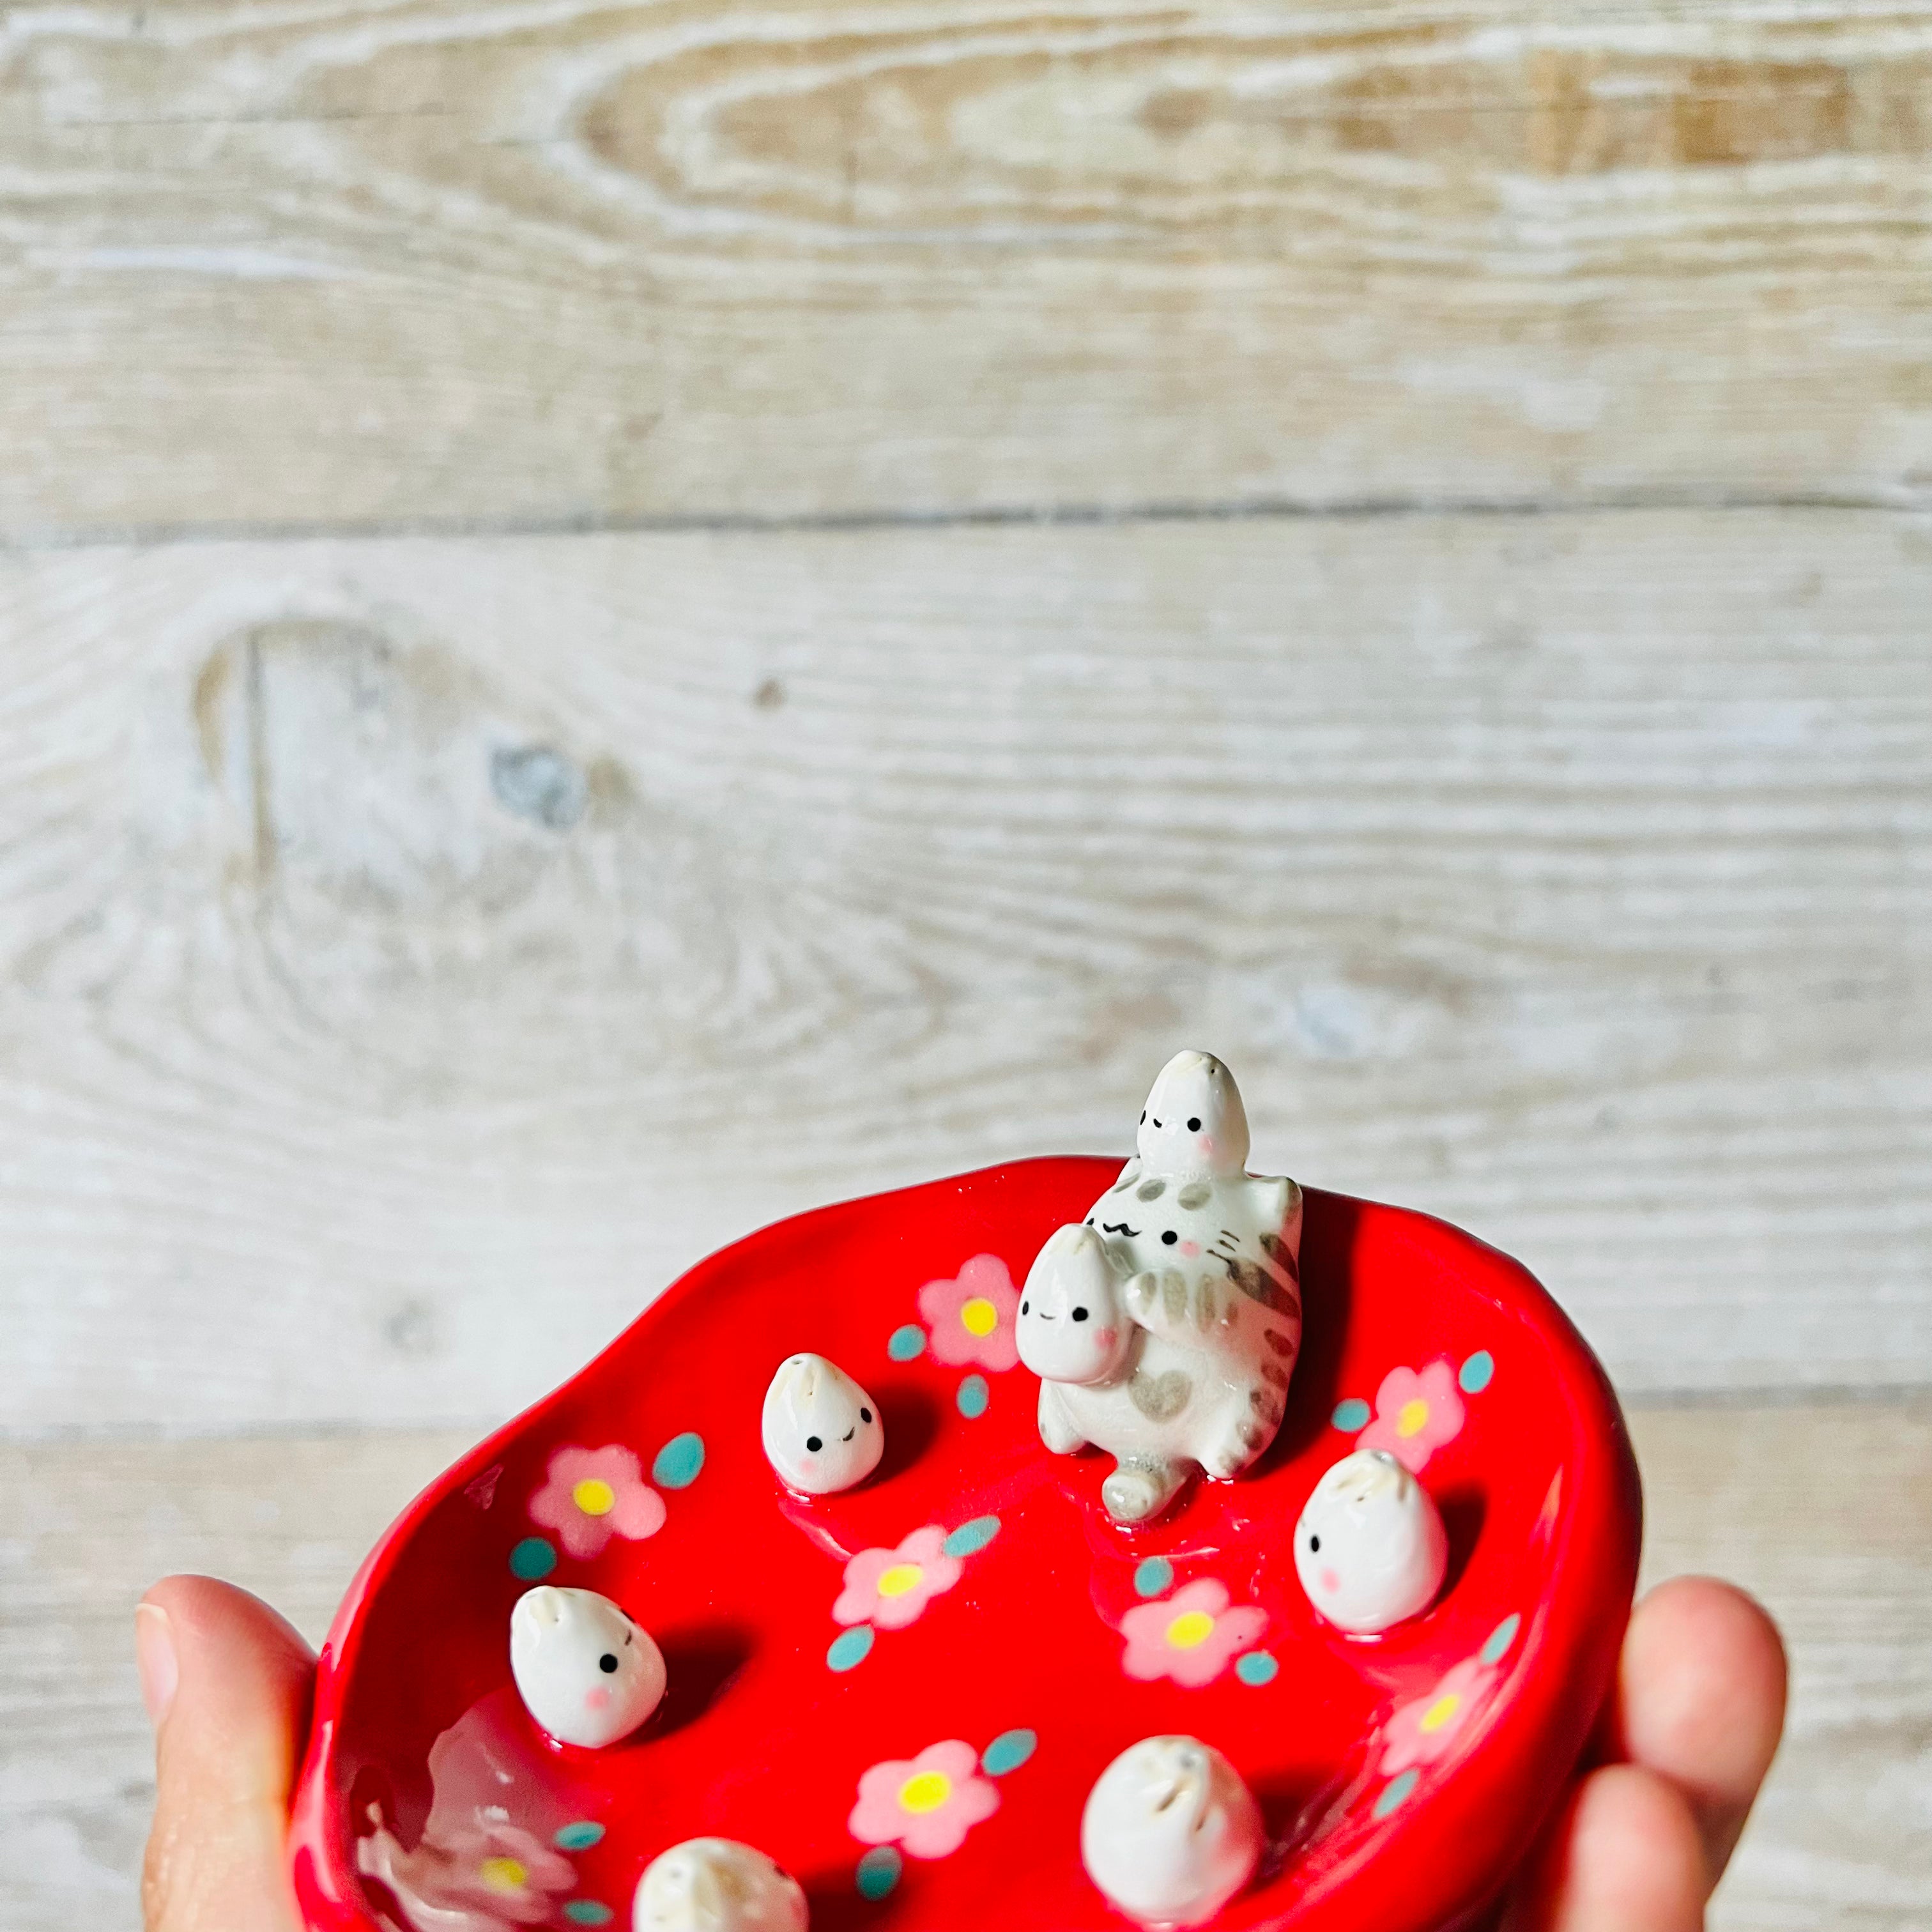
x,y
972,1315
1415,1415
1191,1636
494,1877
889,1588
592,1495
1420,1732
926,1804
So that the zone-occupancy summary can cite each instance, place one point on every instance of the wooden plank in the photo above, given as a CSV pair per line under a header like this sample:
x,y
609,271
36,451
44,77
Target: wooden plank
x,y
1825,1511
428,265
417,953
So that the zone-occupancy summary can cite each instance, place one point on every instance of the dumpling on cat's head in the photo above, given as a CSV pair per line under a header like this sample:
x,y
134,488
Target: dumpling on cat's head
x,y
1194,1123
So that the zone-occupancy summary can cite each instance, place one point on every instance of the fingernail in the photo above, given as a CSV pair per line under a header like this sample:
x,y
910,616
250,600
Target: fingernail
x,y
154,1659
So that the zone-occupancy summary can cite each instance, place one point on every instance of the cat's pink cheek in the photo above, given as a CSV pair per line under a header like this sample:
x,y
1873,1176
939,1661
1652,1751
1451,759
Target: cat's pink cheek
x,y
1206,1143
1190,1249
1107,1337
1330,1582
597,1699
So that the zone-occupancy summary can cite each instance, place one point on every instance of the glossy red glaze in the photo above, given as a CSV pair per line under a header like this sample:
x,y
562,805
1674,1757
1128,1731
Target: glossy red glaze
x,y
760,1738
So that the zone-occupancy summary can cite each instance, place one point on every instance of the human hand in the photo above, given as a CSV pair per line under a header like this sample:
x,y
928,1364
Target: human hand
x,y
1637,1846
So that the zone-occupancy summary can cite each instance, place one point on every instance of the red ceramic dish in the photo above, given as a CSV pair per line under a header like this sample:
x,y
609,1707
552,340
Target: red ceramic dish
x,y
1401,1776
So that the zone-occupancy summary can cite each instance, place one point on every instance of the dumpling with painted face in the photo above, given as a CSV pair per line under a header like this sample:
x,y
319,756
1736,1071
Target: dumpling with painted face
x,y
1370,1548
822,1431
586,1672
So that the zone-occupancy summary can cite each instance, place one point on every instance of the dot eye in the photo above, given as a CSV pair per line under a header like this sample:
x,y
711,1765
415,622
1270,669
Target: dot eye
x,y
1026,1307
1080,1315
1194,1125
814,1443
1143,1116
865,1415
1157,1124
1168,1236
1314,1545
608,1663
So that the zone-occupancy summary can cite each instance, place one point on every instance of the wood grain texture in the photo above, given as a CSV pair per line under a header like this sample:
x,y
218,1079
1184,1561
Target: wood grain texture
x,y
567,264
1825,1511
413,953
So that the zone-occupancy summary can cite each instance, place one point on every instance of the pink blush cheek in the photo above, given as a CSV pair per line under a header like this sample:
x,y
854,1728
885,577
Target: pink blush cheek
x,y
1330,1582
597,1699
1190,1249
1205,1143
1105,1338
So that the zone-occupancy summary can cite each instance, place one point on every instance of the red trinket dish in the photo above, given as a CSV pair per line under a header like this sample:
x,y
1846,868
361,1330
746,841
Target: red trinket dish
x,y
903,1693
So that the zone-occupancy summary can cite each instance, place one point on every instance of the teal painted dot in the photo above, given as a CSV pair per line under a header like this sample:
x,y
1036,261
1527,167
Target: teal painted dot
x,y
1154,1576
580,1837
907,1343
1478,1372
1501,1638
1351,1415
1395,1792
1257,1667
588,1912
850,1648
678,1461
1009,1751
879,1871
533,1559
973,1396
970,1537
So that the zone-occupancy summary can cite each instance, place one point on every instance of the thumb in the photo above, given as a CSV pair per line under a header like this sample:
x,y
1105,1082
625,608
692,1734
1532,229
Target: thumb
x,y
228,1683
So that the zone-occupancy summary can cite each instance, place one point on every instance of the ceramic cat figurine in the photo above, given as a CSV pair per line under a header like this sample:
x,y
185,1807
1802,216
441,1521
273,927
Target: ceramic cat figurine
x,y
1170,1832
1165,1327
717,1884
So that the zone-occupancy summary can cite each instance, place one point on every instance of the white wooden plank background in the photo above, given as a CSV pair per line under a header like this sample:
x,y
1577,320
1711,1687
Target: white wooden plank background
x,y
432,264
342,1084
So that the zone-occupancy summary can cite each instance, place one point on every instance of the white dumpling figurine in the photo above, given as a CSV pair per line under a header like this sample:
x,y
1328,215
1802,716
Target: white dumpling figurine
x,y
1370,1548
1171,1833
822,1431
717,1884
586,1673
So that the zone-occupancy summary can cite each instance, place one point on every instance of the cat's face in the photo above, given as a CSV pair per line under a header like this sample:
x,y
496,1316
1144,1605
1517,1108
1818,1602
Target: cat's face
x,y
1194,1122
822,1431
586,1673
1072,1327
1170,1832
1370,1548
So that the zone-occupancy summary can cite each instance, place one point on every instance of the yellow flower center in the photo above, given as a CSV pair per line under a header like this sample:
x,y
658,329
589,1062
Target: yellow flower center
x,y
594,1496
1440,1712
504,1875
1412,1415
926,1792
899,1579
979,1316
1189,1628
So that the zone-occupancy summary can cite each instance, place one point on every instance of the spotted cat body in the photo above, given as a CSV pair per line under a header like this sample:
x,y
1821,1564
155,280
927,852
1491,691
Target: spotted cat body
x,y
1192,1264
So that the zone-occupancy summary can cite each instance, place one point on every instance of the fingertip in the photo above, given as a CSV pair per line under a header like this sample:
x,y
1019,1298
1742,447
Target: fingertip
x,y
204,1610
1625,1856
1702,1699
